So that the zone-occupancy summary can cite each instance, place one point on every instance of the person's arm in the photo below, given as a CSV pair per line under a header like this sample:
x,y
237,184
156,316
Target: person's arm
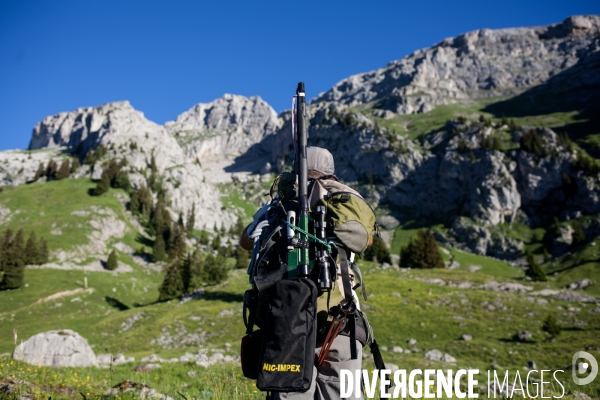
x,y
245,241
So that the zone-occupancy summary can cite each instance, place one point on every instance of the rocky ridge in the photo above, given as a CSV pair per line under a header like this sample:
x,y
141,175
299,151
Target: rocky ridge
x,y
477,64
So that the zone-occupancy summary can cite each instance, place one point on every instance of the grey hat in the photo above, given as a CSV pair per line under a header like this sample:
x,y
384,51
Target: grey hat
x,y
319,159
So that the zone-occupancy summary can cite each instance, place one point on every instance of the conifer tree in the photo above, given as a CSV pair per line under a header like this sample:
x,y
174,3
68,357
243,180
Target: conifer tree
x,y
421,252
238,228
41,171
64,171
43,253
228,251
214,270
242,257
178,245
535,272
74,165
112,262
159,250
191,221
51,170
104,184
216,243
172,285
31,250
378,251
12,260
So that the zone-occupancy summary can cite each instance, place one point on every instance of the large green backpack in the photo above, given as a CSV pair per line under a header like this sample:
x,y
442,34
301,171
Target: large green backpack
x,y
352,219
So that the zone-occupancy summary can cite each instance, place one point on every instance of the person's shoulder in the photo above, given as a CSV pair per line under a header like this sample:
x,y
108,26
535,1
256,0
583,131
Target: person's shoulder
x,y
337,186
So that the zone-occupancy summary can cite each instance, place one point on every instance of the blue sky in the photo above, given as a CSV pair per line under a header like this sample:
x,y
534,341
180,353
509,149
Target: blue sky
x,y
166,56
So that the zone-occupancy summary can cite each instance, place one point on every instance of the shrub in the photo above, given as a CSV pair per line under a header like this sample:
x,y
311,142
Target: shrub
x,y
578,235
41,171
64,171
378,251
462,146
242,257
551,326
535,272
214,270
112,262
421,252
531,142
172,285
103,185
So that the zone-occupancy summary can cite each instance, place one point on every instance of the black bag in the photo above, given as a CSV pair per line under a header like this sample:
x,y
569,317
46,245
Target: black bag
x,y
250,354
289,337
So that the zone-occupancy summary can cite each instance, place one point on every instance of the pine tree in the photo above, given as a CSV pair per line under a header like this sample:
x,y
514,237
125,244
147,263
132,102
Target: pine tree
x,y
104,184
74,165
535,272
51,169
31,250
41,171
191,221
214,270
378,251
159,250
178,245
12,260
43,253
216,243
242,257
421,252
238,228
172,286
64,170
112,262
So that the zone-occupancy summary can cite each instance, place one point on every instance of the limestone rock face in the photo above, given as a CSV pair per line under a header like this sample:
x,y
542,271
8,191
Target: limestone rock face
x,y
225,128
477,64
127,134
62,348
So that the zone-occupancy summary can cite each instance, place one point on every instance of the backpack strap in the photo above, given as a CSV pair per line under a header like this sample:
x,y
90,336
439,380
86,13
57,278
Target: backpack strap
x,y
358,275
348,302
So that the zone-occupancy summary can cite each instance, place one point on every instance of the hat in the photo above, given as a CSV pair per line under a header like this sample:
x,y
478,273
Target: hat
x,y
319,159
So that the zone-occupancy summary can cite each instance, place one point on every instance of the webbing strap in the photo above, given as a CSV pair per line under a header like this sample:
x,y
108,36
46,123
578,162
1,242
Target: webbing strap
x,y
311,236
360,279
378,359
349,300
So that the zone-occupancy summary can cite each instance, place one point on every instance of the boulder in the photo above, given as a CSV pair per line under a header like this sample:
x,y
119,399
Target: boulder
x,y
60,348
522,336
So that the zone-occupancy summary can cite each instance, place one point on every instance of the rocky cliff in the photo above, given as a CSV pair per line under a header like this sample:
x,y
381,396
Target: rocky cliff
x,y
482,63
127,134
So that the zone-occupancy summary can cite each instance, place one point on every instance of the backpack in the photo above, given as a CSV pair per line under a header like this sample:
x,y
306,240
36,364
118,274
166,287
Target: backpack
x,y
350,226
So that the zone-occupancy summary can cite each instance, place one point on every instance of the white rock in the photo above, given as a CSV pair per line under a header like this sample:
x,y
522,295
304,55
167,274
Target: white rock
x,y
60,348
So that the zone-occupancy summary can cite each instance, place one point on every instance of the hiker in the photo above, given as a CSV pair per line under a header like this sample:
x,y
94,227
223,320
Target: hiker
x,y
326,371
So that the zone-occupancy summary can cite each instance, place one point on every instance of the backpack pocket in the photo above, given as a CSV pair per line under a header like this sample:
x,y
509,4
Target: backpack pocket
x,y
289,337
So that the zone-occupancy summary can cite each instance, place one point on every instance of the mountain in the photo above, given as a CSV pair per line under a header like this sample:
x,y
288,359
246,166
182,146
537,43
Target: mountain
x,y
416,137
479,64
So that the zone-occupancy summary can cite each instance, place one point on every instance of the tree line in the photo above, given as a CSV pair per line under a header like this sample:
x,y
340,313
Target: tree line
x,y
15,253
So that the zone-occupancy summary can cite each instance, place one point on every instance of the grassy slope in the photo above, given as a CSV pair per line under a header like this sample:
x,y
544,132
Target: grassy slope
x,y
415,310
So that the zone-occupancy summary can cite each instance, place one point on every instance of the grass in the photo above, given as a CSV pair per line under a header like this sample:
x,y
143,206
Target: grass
x,y
47,208
401,306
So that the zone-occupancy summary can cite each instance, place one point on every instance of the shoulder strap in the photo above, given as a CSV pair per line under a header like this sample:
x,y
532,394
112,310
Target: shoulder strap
x,y
349,300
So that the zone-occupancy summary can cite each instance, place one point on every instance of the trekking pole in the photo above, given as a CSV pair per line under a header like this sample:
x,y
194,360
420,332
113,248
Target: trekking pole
x,y
303,269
